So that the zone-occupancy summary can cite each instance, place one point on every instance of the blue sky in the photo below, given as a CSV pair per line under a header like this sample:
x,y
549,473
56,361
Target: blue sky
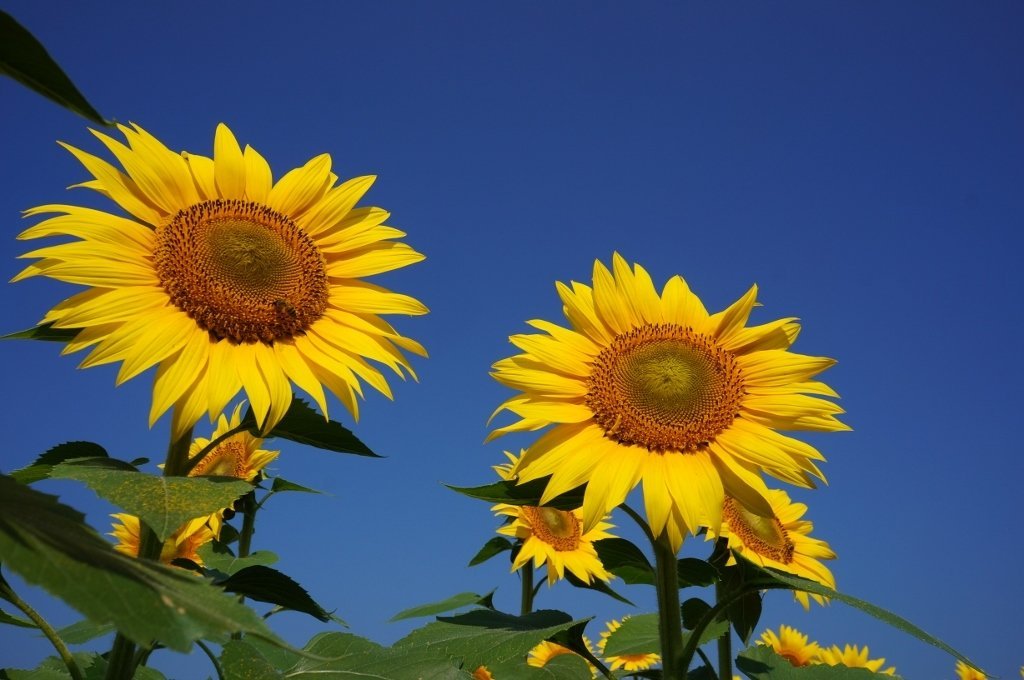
x,y
861,162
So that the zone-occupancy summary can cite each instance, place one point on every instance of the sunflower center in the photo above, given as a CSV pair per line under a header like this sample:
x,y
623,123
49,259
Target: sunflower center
x,y
763,535
241,271
557,528
227,460
664,387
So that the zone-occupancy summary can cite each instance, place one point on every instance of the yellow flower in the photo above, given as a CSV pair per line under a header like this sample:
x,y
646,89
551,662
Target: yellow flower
x,y
792,645
481,673
182,544
508,471
781,541
965,672
238,456
853,657
648,387
540,655
556,538
226,280
627,662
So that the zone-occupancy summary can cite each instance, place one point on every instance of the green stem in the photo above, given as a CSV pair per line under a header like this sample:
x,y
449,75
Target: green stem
x,y
8,594
713,613
724,642
122,661
213,659
248,503
526,600
670,623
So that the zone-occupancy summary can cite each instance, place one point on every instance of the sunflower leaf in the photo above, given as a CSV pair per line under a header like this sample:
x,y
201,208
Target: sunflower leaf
x,y
454,602
163,503
241,660
744,614
41,467
338,656
695,572
280,484
49,544
216,556
638,634
43,331
522,494
762,663
625,560
24,58
772,579
495,546
85,630
264,584
304,425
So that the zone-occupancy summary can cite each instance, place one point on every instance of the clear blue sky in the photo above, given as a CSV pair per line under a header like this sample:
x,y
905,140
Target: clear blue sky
x,y
863,162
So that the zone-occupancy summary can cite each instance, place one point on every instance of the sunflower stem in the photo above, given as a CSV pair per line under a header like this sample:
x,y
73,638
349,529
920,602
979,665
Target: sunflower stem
x,y
122,660
724,642
526,601
670,622
7,593
249,507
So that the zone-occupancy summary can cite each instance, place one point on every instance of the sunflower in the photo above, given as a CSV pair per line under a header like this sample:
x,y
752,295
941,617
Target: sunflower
x,y
482,673
791,645
780,541
627,662
853,656
544,652
508,471
182,544
226,280
652,388
238,456
556,538
965,672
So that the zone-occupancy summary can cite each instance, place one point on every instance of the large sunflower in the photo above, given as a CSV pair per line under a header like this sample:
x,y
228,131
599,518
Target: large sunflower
x,y
792,645
650,387
781,541
226,280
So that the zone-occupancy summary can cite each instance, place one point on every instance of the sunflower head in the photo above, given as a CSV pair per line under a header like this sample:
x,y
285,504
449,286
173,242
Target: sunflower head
x,y
853,656
556,538
482,673
647,387
792,645
627,662
544,652
781,541
225,279
182,544
965,672
238,456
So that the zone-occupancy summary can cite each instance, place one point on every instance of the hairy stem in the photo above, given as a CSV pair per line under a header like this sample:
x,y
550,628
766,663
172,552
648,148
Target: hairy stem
x,y
724,642
670,623
526,600
7,593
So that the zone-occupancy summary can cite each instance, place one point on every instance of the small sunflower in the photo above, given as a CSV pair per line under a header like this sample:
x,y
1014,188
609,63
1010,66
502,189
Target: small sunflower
x,y
544,652
481,673
781,541
238,456
556,538
791,645
853,656
965,672
648,387
226,280
627,662
182,544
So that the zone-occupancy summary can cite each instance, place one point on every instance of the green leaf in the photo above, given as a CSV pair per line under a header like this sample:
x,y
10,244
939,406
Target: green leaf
x,y
280,484
240,661
776,579
217,557
49,544
495,546
638,634
522,494
454,602
695,572
625,560
337,656
693,610
598,585
12,620
43,331
163,503
43,465
761,663
269,585
24,58
744,614
83,631
304,425
483,636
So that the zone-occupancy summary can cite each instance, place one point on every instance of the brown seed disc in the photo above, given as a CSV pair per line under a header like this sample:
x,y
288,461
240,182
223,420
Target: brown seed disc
x,y
227,460
664,387
763,535
557,528
242,271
